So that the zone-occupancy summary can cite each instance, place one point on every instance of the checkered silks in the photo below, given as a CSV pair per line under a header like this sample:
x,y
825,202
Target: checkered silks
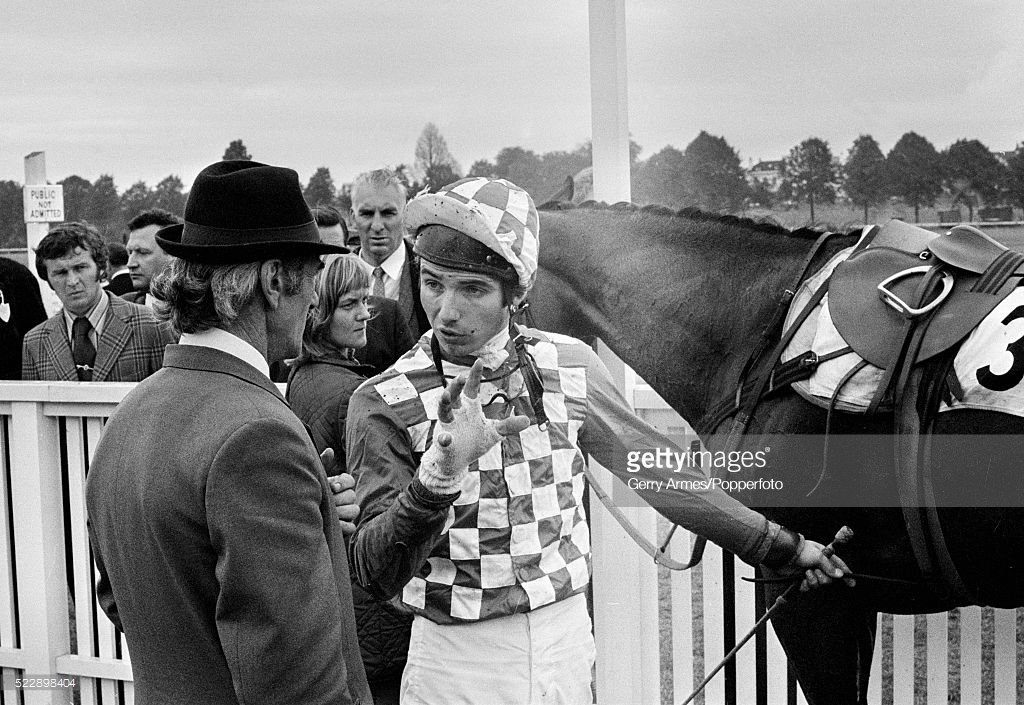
x,y
516,538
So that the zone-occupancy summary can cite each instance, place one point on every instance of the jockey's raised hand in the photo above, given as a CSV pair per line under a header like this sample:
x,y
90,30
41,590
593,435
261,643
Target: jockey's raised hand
x,y
463,434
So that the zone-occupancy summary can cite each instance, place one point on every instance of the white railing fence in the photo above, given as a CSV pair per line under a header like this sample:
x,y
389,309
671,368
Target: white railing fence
x,y
50,623
656,633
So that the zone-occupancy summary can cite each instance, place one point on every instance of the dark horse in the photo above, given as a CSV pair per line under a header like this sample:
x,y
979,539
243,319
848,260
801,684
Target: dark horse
x,y
683,298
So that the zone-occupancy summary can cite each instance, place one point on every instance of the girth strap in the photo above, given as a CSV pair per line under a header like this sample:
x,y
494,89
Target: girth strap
x,y
912,446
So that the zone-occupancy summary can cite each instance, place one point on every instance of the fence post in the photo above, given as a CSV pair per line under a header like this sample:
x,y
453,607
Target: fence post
x,y
625,605
39,543
625,590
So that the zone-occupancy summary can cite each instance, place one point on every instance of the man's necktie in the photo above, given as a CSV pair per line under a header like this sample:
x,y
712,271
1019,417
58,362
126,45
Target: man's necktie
x,y
378,282
83,350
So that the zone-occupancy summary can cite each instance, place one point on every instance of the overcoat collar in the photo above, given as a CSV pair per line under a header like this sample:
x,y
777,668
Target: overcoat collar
x,y
194,357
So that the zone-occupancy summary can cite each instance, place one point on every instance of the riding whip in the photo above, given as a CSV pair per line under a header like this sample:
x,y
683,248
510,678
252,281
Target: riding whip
x,y
842,536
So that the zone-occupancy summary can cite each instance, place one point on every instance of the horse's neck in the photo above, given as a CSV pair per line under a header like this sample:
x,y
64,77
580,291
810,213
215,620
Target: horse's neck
x,y
683,309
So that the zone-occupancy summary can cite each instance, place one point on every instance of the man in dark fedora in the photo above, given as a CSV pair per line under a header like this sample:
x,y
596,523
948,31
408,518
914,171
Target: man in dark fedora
x,y
220,552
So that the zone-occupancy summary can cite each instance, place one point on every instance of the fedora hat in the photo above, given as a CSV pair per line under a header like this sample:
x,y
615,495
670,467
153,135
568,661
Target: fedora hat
x,y
243,211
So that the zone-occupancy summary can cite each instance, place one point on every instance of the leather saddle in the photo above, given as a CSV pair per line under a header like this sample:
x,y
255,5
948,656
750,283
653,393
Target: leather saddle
x,y
907,278
899,300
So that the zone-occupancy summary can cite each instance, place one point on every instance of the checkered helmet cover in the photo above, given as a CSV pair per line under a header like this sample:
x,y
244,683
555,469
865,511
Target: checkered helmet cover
x,y
494,212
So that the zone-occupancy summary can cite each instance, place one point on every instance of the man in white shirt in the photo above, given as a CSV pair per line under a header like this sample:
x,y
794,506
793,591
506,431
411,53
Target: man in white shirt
x,y
211,516
378,208
146,258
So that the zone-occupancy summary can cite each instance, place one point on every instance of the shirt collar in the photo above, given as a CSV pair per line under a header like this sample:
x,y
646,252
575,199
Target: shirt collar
x,y
220,339
392,266
495,351
95,316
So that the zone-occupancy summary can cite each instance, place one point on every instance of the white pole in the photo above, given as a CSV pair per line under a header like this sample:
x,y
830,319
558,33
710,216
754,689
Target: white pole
x,y
608,104
35,175
625,579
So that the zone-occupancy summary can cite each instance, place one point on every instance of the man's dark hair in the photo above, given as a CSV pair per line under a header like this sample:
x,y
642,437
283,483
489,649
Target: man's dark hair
x,y
64,238
327,217
154,216
117,255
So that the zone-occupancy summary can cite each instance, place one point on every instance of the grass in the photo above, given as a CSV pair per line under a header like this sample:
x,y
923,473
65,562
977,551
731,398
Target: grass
x,y
844,217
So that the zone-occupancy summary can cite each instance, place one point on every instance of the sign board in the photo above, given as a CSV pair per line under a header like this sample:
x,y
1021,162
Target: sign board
x,y
44,204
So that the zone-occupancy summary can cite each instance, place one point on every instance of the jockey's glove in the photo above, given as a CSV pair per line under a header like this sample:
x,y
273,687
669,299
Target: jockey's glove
x,y
462,435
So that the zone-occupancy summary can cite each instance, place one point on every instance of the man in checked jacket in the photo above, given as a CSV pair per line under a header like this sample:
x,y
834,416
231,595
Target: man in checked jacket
x,y
469,456
96,337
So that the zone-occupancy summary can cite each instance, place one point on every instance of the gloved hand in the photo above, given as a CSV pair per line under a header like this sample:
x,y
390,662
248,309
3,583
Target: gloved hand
x,y
463,434
820,565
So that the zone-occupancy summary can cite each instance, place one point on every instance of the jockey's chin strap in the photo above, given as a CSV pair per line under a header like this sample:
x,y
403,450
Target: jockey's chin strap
x,y
527,366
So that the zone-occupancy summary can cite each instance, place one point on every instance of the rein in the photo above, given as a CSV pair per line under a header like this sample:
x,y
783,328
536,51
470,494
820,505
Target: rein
x,y
741,404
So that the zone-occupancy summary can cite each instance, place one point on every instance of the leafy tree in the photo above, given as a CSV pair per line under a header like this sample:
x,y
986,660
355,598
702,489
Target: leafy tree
x,y
711,174
433,159
864,173
555,166
1015,177
439,175
404,174
973,172
542,175
518,165
236,150
661,179
761,193
76,197
482,167
169,195
320,188
914,171
344,200
104,208
810,173
12,215
137,198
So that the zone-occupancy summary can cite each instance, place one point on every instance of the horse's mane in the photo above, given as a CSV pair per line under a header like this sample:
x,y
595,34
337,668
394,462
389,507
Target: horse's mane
x,y
761,226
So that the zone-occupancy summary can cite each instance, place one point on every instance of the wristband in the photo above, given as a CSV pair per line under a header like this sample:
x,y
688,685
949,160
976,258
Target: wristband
x,y
785,549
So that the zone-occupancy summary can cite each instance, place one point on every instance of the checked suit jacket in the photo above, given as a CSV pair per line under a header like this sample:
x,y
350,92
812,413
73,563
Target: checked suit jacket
x,y
130,348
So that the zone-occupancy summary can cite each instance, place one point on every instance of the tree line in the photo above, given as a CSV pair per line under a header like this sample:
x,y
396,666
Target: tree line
x,y
707,174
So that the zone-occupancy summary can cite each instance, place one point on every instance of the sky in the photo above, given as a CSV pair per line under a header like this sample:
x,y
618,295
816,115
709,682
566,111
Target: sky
x,y
141,89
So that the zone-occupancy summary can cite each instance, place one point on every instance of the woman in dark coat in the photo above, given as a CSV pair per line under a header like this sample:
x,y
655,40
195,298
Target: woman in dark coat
x,y
324,376
320,383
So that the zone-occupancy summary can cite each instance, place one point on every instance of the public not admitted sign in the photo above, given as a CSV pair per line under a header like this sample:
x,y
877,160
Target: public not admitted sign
x,y
44,204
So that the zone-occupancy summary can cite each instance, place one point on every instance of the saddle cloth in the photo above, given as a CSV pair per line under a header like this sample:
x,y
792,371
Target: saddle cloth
x,y
989,366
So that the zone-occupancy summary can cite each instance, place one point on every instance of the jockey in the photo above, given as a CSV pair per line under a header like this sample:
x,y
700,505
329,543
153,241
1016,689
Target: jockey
x,y
469,456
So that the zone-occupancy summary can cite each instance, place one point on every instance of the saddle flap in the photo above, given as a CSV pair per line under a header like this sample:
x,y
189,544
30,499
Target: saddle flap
x,y
902,236
966,247
875,330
